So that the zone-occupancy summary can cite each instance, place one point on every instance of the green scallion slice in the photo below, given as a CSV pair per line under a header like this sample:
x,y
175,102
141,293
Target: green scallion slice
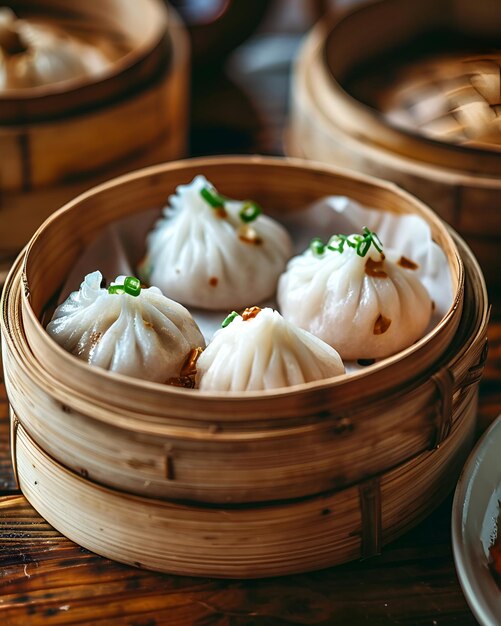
x,y
212,197
353,240
363,247
374,238
250,211
116,289
361,243
131,286
317,246
228,319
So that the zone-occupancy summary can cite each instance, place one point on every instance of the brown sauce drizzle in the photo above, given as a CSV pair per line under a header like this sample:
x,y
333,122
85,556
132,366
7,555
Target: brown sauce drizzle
x,y
407,264
186,382
375,268
381,325
94,339
433,305
190,365
220,212
186,378
147,324
248,234
250,313
213,281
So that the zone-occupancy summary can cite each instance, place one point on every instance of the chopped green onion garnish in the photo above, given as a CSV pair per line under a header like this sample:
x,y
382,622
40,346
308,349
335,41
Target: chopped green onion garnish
x,y
132,286
116,289
340,240
250,211
363,247
361,243
374,239
317,246
210,195
353,240
227,320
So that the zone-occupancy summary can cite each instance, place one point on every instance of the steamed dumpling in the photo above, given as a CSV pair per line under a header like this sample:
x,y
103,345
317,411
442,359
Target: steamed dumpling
x,y
367,307
260,350
145,335
215,257
33,54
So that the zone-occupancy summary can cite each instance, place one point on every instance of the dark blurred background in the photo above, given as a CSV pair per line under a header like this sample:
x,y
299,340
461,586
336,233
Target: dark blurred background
x,y
242,53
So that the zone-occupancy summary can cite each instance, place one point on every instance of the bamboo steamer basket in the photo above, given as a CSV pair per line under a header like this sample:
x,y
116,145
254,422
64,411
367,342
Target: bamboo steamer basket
x,y
250,541
155,440
328,123
59,139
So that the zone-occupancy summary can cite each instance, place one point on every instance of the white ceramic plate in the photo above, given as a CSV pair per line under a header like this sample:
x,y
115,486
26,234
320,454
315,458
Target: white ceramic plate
x,y
474,525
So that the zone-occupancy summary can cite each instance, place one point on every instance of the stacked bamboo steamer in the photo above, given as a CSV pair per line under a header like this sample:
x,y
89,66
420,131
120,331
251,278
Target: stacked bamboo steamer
x,y
236,485
60,138
453,162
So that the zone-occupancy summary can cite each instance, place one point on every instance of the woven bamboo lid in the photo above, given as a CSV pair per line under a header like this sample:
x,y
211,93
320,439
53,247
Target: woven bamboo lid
x,y
407,30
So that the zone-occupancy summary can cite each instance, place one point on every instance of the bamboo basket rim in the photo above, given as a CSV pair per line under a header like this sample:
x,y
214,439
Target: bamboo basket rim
x,y
489,158
115,68
205,396
309,54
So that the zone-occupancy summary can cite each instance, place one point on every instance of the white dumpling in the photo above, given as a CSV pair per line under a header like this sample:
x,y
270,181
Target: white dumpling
x,y
147,336
260,350
367,307
209,257
33,54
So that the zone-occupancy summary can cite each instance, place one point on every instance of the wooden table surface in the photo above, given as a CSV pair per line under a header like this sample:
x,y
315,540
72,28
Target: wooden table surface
x,y
46,579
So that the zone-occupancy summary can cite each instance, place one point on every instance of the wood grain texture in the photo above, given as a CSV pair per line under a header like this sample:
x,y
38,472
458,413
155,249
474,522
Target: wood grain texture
x,y
48,580
7,482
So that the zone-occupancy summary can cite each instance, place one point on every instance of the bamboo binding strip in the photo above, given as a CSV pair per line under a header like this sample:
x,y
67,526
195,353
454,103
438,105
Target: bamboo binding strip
x,y
58,139
161,441
331,123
